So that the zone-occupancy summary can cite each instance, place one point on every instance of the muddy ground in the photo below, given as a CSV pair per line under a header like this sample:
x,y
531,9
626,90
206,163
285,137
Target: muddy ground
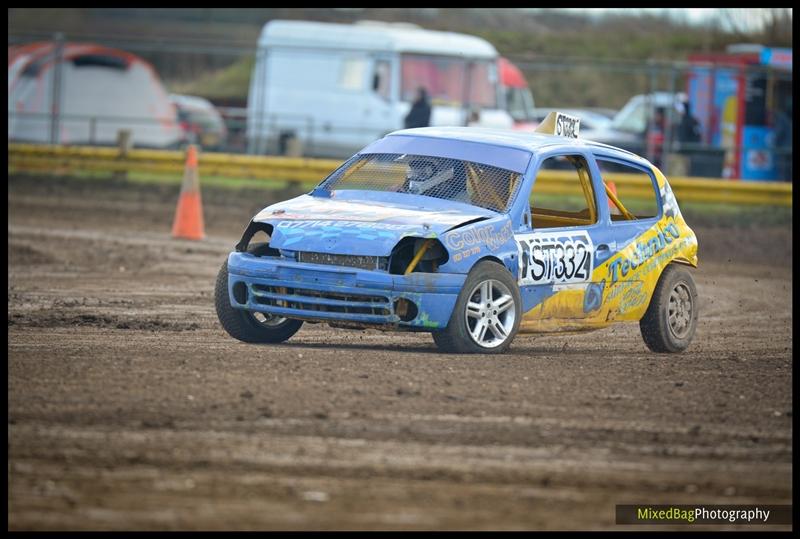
x,y
130,408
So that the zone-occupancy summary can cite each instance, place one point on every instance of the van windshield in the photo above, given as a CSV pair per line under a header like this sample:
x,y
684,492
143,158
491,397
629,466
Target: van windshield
x,y
481,185
631,118
449,79
519,102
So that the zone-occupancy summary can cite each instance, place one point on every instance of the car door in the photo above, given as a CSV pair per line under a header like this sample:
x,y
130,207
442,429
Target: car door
x,y
635,224
561,242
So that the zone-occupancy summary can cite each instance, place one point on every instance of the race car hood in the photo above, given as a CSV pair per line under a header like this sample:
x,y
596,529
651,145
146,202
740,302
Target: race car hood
x,y
366,223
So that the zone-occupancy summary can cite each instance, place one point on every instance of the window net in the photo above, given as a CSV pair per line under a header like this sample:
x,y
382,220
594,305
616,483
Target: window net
x,y
438,177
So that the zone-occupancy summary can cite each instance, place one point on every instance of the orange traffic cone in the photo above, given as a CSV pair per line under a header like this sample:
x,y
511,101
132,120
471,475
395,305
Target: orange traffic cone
x,y
188,222
611,206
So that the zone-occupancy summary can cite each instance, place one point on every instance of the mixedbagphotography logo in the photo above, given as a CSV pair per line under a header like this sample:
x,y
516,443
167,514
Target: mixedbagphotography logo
x,y
704,514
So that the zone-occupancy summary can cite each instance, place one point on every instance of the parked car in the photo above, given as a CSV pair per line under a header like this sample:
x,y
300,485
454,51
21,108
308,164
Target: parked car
x,y
638,120
455,231
201,122
605,111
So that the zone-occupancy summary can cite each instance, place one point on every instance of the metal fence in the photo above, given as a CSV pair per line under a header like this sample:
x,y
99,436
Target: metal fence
x,y
743,127
730,145
276,171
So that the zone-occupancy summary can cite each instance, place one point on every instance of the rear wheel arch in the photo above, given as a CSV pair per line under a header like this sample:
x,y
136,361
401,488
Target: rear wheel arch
x,y
675,295
684,261
679,262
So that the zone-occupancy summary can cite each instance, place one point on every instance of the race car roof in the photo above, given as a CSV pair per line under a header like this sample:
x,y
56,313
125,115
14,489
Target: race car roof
x,y
503,148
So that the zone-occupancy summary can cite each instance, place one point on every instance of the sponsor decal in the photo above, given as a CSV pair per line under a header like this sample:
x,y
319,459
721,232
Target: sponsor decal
x,y
633,297
567,126
475,237
357,210
341,224
593,297
642,251
760,160
458,257
554,258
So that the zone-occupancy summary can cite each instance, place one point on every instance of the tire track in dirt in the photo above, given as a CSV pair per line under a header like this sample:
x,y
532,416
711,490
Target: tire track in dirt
x,y
130,408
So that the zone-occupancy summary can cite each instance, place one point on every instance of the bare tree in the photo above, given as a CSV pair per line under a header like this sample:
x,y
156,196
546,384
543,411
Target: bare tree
x,y
768,26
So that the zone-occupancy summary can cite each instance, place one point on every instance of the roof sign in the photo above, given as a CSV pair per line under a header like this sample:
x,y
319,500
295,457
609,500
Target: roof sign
x,y
560,124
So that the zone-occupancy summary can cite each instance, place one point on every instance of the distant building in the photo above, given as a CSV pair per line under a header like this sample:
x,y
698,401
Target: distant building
x,y
739,98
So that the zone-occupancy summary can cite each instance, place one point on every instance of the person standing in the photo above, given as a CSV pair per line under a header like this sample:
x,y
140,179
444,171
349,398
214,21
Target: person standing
x,y
689,127
689,136
655,136
783,141
420,113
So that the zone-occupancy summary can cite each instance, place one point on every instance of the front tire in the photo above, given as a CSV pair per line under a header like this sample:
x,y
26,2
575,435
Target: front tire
x,y
487,314
670,321
247,326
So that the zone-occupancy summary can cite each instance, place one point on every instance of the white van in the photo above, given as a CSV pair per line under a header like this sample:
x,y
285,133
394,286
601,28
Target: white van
x,y
328,90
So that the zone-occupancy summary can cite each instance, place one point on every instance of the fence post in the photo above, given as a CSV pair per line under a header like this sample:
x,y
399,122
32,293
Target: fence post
x,y
668,130
310,138
650,113
260,106
55,103
124,144
92,130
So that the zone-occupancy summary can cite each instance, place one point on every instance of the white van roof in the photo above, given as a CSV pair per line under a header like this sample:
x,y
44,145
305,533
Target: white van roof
x,y
373,36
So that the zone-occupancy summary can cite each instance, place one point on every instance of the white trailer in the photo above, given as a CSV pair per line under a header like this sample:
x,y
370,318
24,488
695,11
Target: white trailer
x,y
331,89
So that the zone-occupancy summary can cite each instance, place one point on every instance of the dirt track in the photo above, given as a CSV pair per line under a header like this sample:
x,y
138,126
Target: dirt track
x,y
130,408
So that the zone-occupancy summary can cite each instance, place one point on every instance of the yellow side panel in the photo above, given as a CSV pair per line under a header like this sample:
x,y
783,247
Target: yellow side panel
x,y
625,282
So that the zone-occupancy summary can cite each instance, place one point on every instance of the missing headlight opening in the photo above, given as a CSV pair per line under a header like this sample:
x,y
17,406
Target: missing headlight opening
x,y
240,293
406,309
412,255
259,231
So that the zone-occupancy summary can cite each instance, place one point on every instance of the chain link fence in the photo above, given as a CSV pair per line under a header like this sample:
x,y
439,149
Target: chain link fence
x,y
739,121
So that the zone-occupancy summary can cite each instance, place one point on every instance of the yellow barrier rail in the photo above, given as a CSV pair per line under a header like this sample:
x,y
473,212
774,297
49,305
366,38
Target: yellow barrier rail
x,y
65,159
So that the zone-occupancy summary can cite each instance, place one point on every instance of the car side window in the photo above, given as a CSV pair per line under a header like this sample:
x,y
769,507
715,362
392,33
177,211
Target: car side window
x,y
633,187
562,194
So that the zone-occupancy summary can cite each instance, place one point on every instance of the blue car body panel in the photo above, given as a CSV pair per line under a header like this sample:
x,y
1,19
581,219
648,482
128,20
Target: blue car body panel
x,y
371,223
345,289
490,238
362,222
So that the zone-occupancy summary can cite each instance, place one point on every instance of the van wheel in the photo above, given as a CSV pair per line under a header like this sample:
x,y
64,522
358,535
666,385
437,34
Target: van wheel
x,y
670,321
487,314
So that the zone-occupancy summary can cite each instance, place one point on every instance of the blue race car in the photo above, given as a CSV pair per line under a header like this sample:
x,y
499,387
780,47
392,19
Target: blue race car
x,y
441,230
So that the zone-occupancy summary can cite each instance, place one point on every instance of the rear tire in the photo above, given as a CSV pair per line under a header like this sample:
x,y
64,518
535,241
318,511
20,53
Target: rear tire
x,y
487,314
670,321
245,325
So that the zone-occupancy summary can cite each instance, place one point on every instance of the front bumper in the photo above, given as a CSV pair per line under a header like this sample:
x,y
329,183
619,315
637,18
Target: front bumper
x,y
341,294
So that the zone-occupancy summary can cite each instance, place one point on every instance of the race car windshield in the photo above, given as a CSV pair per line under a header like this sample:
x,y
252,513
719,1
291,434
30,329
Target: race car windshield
x,y
438,177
